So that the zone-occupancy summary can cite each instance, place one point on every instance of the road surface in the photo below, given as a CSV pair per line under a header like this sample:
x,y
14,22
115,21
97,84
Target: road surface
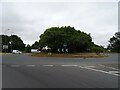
x,y
25,71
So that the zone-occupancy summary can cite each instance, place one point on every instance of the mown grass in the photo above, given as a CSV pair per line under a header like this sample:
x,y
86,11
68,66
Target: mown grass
x,y
5,53
66,55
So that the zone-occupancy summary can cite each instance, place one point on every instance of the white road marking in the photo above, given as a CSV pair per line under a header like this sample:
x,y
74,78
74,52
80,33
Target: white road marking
x,y
89,66
15,65
48,65
109,67
81,66
84,67
113,68
68,65
99,70
30,65
114,72
102,65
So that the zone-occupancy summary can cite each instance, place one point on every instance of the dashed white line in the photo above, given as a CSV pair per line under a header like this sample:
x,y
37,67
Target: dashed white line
x,y
84,67
68,65
15,65
48,65
30,65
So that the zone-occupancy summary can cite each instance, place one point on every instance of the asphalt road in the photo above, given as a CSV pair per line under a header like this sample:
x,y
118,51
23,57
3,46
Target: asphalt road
x,y
25,71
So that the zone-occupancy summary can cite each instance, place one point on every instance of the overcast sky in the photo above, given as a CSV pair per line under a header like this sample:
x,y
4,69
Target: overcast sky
x,y
30,19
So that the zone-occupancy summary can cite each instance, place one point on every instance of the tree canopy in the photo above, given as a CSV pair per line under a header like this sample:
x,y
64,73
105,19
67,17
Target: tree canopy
x,y
58,37
97,49
114,45
28,48
13,42
35,45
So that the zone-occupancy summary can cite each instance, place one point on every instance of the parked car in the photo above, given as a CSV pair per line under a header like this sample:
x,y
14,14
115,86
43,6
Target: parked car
x,y
16,52
35,51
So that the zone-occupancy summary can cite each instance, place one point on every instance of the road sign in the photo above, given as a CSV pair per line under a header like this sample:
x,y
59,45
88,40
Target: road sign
x,y
62,49
65,45
5,46
58,49
66,50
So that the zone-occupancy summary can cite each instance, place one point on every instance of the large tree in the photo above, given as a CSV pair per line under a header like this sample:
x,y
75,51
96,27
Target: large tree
x,y
68,37
98,49
35,45
13,42
114,45
28,48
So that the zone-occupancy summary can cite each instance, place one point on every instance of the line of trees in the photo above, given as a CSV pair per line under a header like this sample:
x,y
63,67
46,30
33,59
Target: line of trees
x,y
13,42
114,43
61,38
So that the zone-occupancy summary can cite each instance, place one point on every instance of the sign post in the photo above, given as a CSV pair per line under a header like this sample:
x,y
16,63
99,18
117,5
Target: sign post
x,y
5,47
65,47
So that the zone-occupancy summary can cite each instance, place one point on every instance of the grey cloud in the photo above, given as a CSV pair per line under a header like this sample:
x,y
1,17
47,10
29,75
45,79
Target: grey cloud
x,y
29,20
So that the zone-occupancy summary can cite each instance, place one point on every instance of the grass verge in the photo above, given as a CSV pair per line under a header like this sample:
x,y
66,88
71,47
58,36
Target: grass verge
x,y
5,53
76,55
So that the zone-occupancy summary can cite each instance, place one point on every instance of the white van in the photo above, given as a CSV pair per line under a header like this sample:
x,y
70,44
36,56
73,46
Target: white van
x,y
16,52
35,51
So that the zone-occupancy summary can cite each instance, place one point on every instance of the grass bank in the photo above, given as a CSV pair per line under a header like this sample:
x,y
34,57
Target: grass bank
x,y
5,53
75,55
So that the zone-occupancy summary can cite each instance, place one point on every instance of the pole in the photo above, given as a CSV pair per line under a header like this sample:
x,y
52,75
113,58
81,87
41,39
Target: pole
x,y
11,40
6,38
